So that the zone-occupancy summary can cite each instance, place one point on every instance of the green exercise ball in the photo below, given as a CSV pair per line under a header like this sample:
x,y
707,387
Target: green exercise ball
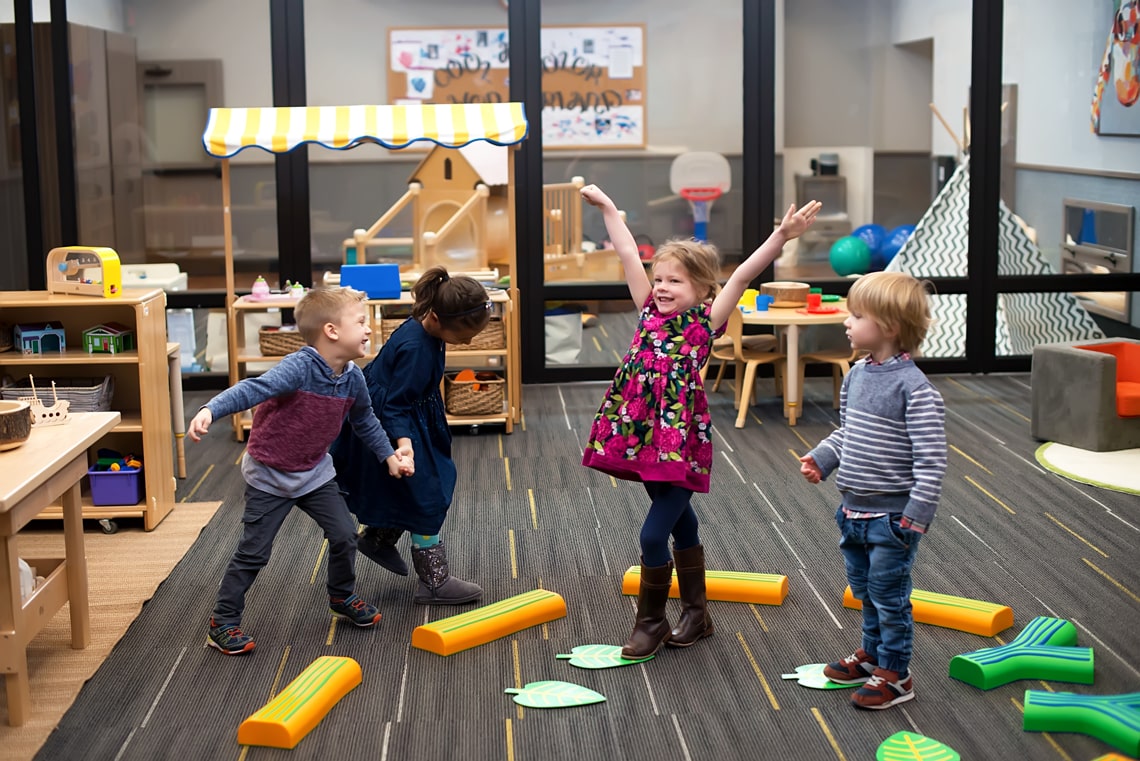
x,y
850,256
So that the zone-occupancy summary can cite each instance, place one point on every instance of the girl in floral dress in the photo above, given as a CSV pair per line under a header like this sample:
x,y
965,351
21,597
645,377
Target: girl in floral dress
x,y
654,424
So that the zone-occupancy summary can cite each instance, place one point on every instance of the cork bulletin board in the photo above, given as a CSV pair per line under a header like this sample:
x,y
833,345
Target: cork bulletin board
x,y
593,81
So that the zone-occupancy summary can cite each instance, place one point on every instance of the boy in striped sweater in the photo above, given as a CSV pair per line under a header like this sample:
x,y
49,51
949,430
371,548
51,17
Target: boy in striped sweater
x,y
890,453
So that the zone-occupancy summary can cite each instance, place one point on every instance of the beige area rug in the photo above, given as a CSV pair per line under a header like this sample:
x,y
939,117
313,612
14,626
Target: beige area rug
x,y
1119,470
123,571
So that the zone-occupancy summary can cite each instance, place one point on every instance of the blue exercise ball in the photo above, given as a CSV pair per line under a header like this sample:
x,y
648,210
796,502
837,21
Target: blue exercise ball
x,y
873,235
894,241
850,256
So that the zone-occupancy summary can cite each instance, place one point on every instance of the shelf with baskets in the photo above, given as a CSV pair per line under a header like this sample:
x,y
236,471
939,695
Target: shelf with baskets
x,y
133,382
471,403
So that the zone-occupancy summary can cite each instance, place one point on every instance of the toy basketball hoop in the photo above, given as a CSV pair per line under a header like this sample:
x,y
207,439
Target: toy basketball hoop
x,y
700,178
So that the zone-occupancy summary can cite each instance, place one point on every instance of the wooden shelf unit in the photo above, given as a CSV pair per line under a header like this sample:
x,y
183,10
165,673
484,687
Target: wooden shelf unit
x,y
142,386
507,357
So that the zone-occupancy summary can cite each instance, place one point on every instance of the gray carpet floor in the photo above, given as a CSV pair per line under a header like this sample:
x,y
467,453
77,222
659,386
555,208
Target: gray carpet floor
x,y
526,514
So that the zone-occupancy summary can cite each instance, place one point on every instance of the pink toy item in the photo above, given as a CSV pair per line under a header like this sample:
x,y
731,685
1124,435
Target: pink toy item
x,y
260,289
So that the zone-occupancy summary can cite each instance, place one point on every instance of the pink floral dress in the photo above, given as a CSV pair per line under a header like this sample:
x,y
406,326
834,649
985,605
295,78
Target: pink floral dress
x,y
654,423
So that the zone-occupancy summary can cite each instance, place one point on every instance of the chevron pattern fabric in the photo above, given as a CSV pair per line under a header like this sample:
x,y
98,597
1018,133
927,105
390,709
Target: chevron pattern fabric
x,y
938,248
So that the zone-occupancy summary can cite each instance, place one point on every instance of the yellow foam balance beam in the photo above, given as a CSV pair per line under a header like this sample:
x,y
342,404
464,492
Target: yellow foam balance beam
x,y
285,720
961,613
488,623
725,586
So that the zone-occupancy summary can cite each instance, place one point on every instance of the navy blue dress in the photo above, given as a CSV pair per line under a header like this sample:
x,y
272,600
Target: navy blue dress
x,y
403,381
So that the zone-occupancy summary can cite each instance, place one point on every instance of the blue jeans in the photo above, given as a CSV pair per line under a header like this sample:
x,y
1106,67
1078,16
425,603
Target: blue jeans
x,y
879,555
262,519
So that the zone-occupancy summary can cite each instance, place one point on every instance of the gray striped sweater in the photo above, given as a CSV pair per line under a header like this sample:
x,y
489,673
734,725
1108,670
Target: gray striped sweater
x,y
890,447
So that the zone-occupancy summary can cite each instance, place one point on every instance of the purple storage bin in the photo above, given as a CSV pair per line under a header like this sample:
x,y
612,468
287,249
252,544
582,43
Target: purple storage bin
x,y
116,487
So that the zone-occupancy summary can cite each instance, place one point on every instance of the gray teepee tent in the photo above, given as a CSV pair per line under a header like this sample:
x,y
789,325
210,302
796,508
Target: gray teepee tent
x,y
938,249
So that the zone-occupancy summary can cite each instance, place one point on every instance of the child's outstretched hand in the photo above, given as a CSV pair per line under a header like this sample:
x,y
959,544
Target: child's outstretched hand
x,y
594,196
200,425
810,470
795,222
400,466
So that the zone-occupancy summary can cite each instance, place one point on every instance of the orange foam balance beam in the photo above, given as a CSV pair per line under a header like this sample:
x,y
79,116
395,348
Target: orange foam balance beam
x,y
482,625
725,586
285,720
961,613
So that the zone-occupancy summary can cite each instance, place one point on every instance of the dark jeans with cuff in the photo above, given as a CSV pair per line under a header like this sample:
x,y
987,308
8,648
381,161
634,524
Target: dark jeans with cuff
x,y
879,556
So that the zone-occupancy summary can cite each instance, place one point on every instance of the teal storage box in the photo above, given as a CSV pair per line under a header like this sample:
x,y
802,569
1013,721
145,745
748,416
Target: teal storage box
x,y
379,281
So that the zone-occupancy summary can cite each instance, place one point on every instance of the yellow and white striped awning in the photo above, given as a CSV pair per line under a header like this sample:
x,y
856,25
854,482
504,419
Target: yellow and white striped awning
x,y
280,130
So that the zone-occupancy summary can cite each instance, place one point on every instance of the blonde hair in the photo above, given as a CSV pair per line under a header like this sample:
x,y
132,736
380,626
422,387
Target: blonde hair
x,y
896,301
459,303
701,262
321,306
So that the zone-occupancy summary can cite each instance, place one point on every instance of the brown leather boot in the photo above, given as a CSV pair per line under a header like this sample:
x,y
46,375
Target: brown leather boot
x,y
650,627
695,623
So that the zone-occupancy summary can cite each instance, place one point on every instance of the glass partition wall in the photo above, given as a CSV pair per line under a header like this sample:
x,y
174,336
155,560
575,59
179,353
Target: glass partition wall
x,y
847,97
1072,189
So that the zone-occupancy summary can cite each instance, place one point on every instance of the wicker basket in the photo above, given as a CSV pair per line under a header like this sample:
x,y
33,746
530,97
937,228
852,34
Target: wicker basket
x,y
5,336
277,342
482,396
491,337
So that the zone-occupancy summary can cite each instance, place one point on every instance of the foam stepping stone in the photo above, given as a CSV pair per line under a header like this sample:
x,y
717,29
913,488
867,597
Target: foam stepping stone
x,y
1043,650
961,613
908,746
1112,757
284,721
599,657
725,586
811,675
1114,719
553,694
488,623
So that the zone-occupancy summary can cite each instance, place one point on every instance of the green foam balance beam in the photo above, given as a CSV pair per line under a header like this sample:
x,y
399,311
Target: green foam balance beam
x,y
1114,719
1043,650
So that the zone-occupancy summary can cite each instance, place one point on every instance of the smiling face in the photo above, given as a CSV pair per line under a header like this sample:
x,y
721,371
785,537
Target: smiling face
x,y
353,331
673,289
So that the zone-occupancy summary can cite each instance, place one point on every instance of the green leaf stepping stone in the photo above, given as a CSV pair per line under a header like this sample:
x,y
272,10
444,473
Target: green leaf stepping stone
x,y
907,746
554,694
599,657
812,676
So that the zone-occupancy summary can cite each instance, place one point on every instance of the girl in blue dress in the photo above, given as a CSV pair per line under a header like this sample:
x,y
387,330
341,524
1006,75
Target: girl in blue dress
x,y
403,381
654,425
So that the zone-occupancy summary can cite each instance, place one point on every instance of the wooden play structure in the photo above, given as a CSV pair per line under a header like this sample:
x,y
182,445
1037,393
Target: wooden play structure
x,y
449,191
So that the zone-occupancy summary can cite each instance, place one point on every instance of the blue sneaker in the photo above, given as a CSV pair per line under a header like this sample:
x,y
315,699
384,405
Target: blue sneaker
x,y
355,611
229,640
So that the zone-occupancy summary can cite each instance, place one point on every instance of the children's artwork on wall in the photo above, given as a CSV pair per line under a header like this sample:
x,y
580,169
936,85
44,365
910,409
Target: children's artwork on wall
x,y
1115,106
593,77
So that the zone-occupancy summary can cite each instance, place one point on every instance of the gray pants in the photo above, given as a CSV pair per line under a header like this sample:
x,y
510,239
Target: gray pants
x,y
262,519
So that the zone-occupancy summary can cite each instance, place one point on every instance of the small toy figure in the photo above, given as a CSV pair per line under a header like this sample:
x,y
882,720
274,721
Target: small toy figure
x,y
296,290
260,289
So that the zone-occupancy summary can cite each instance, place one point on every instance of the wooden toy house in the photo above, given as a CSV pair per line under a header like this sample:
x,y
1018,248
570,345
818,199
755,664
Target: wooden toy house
x,y
39,339
109,338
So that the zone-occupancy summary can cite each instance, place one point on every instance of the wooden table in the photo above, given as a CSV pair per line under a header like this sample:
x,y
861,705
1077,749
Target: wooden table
x,y
48,466
792,319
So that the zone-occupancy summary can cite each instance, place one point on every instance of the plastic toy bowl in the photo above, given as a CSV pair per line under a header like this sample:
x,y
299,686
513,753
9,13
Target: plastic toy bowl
x,y
15,424
786,294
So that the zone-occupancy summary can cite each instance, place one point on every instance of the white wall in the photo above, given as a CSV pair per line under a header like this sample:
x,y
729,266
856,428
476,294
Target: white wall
x,y
1052,49
101,14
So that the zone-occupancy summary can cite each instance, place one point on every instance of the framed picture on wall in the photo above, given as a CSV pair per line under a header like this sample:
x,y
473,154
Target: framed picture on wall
x,y
1116,97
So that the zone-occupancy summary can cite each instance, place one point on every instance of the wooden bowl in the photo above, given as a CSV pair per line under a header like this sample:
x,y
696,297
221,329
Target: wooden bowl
x,y
15,423
786,293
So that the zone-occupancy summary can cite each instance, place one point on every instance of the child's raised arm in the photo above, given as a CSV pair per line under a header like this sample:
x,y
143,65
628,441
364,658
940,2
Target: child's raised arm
x,y
791,226
624,244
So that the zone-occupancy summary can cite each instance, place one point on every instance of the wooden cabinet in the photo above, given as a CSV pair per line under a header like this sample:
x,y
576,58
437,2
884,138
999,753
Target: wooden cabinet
x,y
502,360
140,375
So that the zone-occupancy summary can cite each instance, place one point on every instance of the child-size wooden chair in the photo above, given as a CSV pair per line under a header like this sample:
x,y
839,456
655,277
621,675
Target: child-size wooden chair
x,y
747,360
840,361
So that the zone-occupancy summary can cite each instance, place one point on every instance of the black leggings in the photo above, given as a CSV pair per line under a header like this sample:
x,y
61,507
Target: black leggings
x,y
669,513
